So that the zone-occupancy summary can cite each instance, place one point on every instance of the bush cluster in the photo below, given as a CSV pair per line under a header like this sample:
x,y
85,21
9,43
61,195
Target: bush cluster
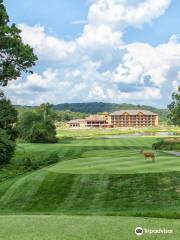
x,y
166,145
7,147
8,118
36,126
33,161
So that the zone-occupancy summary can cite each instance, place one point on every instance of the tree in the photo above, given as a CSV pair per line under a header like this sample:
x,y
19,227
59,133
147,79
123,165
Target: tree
x,y
42,132
37,126
15,56
25,122
8,133
7,147
174,108
45,110
8,118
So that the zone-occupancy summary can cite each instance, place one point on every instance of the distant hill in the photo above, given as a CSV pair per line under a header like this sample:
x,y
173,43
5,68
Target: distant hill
x,y
96,107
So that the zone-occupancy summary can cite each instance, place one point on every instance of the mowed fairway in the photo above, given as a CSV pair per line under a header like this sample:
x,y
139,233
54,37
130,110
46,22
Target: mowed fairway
x,y
115,156
83,228
124,161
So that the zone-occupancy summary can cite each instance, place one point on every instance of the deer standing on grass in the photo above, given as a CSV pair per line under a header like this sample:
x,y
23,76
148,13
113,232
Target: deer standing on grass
x,y
148,155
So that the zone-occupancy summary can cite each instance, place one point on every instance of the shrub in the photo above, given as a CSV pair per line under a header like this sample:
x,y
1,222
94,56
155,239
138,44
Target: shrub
x,y
37,126
43,132
33,161
7,147
166,145
8,118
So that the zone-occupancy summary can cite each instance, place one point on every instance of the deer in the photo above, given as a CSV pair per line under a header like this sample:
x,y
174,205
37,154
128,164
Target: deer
x,y
148,155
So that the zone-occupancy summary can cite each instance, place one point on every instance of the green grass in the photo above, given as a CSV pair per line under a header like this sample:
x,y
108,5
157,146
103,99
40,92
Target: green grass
x,y
117,162
74,133
95,183
82,228
97,176
155,195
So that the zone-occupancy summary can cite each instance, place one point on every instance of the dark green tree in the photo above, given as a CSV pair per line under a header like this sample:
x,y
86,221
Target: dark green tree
x,y
8,118
45,110
42,132
37,126
15,58
174,109
8,133
26,120
7,147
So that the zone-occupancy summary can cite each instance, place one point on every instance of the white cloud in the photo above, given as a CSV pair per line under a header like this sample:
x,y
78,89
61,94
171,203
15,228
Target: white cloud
x,y
98,65
46,47
98,37
119,13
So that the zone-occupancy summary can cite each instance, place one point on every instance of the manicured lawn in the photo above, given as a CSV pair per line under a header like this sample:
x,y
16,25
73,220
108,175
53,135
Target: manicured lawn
x,y
153,195
95,183
118,162
83,228
97,177
114,156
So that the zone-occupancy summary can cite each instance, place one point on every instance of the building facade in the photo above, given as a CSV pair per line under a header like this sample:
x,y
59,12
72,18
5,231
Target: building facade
x,y
98,121
134,118
118,119
77,123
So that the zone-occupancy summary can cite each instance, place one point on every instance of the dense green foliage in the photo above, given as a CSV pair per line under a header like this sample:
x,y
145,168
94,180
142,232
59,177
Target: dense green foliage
x,y
95,107
42,132
15,56
174,109
64,116
56,116
37,126
7,147
33,160
167,145
8,118
25,161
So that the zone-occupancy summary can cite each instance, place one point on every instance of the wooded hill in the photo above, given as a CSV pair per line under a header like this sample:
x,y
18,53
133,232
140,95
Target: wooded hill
x,y
97,107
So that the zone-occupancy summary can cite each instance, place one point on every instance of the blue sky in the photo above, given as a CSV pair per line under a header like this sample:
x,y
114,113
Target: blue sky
x,y
99,50
58,19
57,16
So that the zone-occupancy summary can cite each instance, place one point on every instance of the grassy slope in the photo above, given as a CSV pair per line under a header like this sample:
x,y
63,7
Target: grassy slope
x,y
65,189
82,228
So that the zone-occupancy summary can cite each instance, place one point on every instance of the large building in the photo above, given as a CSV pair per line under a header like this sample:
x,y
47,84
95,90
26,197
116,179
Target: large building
x,y
97,121
93,121
118,119
134,118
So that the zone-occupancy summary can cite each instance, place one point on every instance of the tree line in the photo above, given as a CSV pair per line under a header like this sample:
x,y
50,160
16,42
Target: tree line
x,y
95,107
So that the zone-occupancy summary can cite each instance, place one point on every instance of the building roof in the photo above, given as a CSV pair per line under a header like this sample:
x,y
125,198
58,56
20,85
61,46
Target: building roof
x,y
133,112
95,118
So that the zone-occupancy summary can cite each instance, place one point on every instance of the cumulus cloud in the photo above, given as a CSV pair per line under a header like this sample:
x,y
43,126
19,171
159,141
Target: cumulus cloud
x,y
120,13
99,65
46,47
